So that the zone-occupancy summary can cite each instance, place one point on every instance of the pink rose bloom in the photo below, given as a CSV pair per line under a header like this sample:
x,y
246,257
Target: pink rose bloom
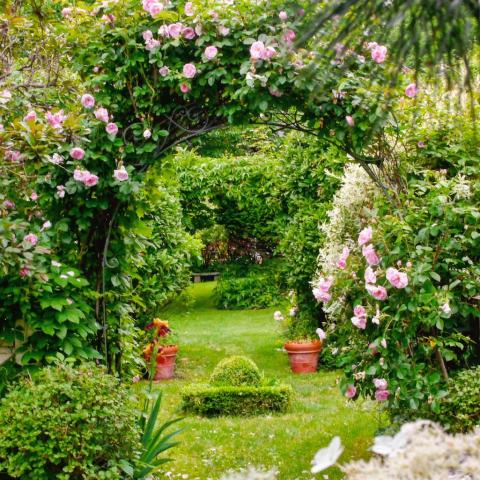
x,y
31,238
164,71
351,391
188,33
360,311
189,9
56,119
34,196
350,120
257,50
289,36
87,101
370,276
163,31
60,191
102,114
152,44
342,261
175,29
189,70
380,383
396,278
24,271
8,204
121,174
66,12
111,128
377,292
324,284
360,323
155,8
269,53
147,35
147,133
90,179
223,31
379,53
321,295
370,255
365,236
184,88
214,14
79,175
283,16
382,395
31,116
211,52
77,153
411,90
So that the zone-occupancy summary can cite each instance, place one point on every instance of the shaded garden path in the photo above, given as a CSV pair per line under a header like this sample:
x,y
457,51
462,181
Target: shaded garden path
x,y
211,446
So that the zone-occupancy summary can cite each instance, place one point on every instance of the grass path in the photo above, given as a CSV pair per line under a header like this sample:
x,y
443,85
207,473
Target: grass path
x,y
212,446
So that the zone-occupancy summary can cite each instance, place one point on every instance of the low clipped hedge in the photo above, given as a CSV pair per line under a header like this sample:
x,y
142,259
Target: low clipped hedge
x,y
236,371
242,401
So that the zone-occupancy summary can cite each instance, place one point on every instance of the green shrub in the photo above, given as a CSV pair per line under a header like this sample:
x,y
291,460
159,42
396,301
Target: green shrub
x,y
67,423
460,408
236,371
212,401
252,286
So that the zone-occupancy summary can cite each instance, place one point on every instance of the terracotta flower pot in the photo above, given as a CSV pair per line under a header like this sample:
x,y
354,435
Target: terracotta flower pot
x,y
303,356
166,363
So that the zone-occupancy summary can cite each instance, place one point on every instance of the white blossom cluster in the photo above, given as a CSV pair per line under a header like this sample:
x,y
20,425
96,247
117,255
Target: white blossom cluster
x,y
421,451
352,206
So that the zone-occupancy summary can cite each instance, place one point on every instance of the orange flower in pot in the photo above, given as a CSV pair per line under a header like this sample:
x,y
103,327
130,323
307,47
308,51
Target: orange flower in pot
x,y
163,348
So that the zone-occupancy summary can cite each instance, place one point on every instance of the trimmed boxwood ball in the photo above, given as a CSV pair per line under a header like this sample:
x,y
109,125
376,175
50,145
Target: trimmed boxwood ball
x,y
67,423
213,401
236,371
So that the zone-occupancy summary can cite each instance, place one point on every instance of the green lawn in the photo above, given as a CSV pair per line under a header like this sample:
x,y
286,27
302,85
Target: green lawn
x,y
209,447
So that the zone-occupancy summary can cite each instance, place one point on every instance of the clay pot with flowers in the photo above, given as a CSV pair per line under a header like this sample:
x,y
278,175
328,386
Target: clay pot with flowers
x,y
161,352
304,341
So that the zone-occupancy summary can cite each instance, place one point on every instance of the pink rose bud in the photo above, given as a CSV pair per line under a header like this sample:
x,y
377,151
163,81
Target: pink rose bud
x,y
350,120
365,236
164,71
283,16
31,238
121,174
351,391
184,88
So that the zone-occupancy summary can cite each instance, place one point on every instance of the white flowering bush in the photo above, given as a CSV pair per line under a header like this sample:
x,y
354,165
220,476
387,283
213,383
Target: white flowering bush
x,y
401,298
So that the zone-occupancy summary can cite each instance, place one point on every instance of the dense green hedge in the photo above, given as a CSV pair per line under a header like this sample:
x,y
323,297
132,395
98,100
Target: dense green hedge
x,y
255,286
211,401
69,424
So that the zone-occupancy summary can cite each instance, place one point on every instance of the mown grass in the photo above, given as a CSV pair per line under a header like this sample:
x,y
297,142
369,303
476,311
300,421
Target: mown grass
x,y
210,447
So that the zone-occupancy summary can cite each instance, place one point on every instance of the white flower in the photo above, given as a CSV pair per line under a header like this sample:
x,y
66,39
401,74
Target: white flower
x,y
56,264
321,334
147,133
278,316
445,308
328,456
70,273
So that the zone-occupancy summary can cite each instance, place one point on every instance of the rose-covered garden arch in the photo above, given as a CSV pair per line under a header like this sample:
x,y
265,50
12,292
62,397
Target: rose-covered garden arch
x,y
153,76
